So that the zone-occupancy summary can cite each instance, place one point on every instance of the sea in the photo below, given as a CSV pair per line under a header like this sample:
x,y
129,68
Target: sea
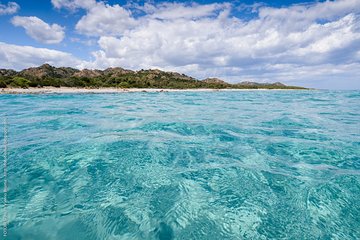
x,y
180,165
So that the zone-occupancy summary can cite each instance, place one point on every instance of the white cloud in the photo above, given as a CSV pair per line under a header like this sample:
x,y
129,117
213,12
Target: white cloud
x,y
186,11
86,42
103,19
328,10
73,4
330,36
204,40
10,8
106,20
40,30
20,57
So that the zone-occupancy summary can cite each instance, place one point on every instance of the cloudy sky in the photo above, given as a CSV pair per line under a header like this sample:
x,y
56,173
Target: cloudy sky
x,y
312,44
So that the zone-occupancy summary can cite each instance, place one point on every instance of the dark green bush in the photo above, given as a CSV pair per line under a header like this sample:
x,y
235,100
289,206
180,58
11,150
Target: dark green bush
x,y
2,84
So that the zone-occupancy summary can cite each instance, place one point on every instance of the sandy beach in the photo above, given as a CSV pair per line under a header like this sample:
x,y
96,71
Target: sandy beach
x,y
54,90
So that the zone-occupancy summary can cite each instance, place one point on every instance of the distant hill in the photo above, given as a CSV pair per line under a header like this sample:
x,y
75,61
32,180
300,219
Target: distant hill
x,y
215,81
47,75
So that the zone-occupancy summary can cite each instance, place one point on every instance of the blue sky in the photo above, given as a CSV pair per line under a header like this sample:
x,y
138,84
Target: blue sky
x,y
312,44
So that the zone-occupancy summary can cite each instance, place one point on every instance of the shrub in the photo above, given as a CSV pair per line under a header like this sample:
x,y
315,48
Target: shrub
x,y
2,84
20,82
124,85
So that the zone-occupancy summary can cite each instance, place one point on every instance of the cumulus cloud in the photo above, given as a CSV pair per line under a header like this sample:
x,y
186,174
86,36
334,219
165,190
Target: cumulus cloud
x,y
101,19
104,19
205,40
40,30
328,10
20,57
167,11
10,8
73,4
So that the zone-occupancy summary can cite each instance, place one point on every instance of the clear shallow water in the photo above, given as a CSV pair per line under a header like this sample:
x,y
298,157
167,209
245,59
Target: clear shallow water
x,y
222,165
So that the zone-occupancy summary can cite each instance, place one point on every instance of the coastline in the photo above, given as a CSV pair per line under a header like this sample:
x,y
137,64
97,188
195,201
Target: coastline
x,y
70,90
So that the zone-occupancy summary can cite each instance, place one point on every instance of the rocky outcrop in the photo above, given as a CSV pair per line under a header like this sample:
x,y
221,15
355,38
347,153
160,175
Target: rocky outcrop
x,y
88,73
279,84
246,83
48,71
7,73
214,80
156,73
116,72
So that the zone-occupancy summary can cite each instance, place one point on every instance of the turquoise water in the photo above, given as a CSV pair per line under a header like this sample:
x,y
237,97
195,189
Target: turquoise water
x,y
218,165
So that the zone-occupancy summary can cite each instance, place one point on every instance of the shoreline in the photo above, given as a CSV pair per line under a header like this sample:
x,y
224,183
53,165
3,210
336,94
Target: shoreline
x,y
70,90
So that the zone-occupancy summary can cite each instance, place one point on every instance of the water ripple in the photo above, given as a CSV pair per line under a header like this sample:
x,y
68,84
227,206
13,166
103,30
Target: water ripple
x,y
220,165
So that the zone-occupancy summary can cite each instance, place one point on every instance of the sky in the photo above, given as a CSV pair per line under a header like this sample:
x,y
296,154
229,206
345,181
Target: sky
x,y
311,44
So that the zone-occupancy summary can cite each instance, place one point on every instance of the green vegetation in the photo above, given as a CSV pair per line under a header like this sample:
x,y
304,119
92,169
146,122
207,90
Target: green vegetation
x,y
20,82
47,75
2,84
